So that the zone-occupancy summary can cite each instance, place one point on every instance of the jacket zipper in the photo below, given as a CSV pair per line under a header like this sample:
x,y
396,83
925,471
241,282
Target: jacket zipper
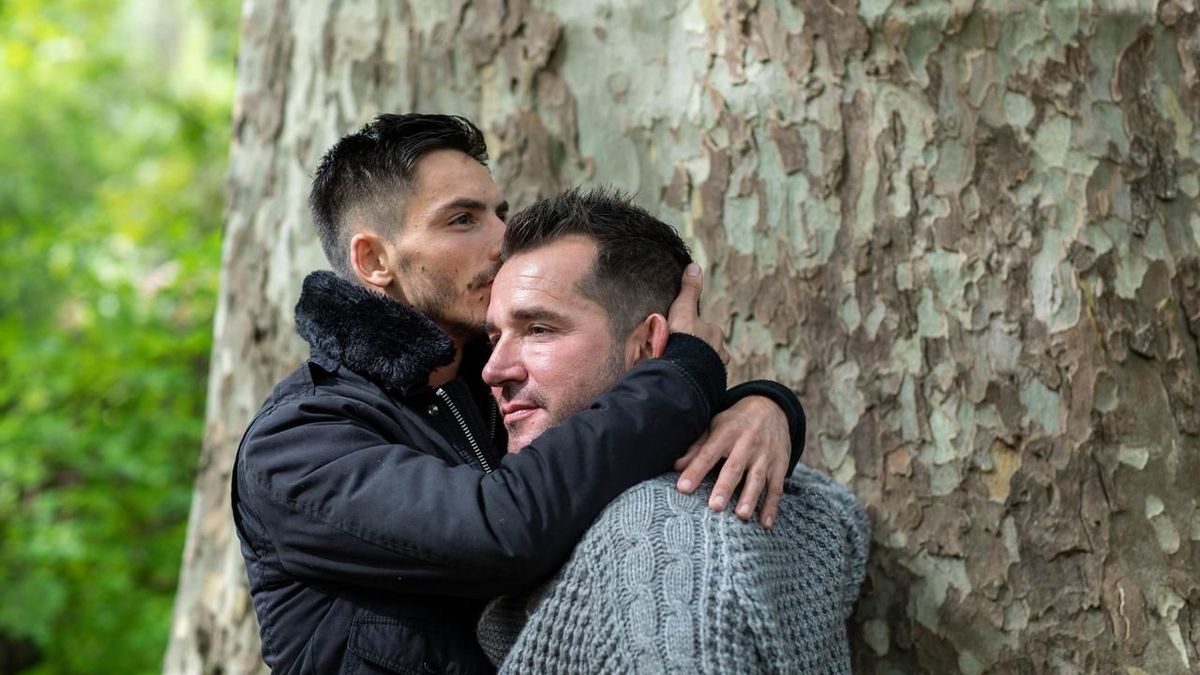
x,y
462,424
493,413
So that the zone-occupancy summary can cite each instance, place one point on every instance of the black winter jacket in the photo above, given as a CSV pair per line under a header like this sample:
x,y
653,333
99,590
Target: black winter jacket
x,y
376,514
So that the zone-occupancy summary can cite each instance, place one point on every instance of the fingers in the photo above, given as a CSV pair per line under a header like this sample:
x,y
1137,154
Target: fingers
x,y
731,475
687,457
753,435
704,455
685,310
756,479
770,508
684,314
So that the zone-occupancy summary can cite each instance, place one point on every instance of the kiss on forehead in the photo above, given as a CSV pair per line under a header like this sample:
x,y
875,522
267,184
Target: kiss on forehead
x,y
373,496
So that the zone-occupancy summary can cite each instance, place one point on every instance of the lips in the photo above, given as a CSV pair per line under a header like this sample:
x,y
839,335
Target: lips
x,y
515,412
485,278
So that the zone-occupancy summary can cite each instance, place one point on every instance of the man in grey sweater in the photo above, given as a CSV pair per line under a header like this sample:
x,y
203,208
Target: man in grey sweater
x,y
660,583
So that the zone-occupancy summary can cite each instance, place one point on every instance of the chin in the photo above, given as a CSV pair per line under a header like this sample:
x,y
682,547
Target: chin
x,y
519,439
517,442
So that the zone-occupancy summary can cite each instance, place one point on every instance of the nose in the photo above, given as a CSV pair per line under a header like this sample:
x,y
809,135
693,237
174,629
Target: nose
x,y
496,233
504,365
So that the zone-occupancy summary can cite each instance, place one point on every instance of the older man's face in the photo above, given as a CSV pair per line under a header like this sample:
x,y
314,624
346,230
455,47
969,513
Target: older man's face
x,y
553,351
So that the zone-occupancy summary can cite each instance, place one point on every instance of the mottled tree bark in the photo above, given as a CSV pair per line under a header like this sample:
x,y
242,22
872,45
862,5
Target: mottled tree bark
x,y
967,232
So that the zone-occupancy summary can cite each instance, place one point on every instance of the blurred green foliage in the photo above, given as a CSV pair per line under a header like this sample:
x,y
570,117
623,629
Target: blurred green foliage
x,y
114,131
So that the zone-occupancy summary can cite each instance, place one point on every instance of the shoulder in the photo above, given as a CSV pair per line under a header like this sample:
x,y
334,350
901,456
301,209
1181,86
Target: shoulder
x,y
647,526
646,506
811,491
822,537
314,413
316,387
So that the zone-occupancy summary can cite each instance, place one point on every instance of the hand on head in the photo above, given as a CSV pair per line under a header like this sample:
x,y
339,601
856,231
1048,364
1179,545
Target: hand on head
x,y
684,315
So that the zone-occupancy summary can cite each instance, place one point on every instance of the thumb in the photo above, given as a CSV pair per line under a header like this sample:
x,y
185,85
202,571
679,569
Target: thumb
x,y
687,304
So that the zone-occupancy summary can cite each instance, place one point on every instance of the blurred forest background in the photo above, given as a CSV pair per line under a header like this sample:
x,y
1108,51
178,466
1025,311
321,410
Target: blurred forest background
x,y
114,132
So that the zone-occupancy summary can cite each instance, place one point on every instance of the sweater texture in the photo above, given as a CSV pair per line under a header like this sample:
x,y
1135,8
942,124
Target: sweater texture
x,y
662,584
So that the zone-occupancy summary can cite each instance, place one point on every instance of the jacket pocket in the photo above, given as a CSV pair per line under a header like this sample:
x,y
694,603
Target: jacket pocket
x,y
381,644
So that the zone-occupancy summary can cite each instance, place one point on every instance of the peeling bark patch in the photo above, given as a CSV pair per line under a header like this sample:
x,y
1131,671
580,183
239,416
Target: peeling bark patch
x,y
790,145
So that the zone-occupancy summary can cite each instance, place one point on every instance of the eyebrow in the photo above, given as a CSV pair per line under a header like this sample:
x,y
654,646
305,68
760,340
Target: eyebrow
x,y
472,204
527,314
536,314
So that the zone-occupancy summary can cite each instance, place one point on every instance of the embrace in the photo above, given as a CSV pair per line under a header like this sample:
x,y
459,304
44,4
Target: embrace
x,y
472,471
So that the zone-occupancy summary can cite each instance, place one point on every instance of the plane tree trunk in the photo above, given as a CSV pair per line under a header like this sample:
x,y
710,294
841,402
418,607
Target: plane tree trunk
x,y
967,233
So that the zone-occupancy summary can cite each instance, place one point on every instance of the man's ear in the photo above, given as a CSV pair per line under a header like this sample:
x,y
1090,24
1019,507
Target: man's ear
x,y
369,258
648,340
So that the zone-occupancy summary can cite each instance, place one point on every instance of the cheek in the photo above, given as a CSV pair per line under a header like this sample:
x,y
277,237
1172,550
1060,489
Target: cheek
x,y
540,362
470,252
489,238
562,369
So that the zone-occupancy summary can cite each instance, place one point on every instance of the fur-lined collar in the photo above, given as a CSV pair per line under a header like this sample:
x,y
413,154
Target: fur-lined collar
x,y
371,334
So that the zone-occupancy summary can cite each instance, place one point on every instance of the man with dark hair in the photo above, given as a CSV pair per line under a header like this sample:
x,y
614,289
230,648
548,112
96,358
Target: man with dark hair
x,y
639,262
634,276
361,174
659,583
376,509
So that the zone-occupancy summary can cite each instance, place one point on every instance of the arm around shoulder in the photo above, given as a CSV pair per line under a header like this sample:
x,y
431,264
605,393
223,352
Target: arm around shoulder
x,y
323,493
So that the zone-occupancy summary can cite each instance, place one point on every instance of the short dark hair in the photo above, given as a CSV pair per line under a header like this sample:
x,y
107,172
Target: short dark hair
x,y
639,258
367,168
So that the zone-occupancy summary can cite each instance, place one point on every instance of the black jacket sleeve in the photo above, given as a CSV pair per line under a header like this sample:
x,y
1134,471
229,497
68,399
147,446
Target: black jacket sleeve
x,y
783,397
335,503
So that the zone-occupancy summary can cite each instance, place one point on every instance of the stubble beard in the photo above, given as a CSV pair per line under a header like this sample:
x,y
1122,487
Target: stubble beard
x,y
435,298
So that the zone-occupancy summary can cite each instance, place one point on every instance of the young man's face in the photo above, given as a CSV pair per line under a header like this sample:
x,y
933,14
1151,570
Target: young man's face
x,y
448,248
553,351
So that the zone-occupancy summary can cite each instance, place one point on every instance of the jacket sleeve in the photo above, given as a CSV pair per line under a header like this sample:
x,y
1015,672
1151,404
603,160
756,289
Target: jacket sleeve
x,y
377,514
783,397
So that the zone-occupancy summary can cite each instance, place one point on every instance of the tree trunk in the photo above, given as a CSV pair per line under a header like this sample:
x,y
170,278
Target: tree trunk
x,y
967,233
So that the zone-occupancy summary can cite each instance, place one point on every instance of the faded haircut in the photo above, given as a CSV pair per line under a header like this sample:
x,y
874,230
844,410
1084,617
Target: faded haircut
x,y
373,168
639,258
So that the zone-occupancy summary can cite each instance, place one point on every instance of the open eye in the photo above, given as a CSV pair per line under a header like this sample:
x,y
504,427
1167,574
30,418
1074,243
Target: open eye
x,y
538,330
462,220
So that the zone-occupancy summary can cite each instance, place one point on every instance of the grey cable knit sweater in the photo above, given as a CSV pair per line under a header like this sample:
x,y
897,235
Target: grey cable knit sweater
x,y
661,584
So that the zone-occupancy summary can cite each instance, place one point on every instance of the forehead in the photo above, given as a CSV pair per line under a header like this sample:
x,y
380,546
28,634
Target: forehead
x,y
546,277
445,175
